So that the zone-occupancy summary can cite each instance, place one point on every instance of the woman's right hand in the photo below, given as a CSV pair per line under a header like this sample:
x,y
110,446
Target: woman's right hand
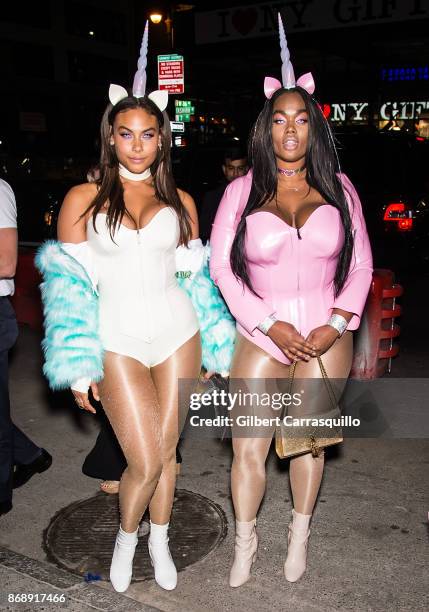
x,y
290,341
82,399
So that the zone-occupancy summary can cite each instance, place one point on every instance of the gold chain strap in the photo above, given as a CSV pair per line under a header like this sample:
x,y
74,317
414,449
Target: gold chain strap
x,y
325,377
315,450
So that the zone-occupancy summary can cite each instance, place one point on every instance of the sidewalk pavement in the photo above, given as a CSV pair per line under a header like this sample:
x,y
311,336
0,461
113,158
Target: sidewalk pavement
x,y
367,551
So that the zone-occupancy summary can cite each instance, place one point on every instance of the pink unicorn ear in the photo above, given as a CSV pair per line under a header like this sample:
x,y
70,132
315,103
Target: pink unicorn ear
x,y
270,86
306,81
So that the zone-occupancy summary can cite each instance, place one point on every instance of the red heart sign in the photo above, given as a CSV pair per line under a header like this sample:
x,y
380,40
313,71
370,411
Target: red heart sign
x,y
326,110
244,20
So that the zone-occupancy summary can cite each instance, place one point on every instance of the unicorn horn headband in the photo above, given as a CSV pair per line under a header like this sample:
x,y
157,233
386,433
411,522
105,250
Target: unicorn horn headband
x,y
158,97
305,81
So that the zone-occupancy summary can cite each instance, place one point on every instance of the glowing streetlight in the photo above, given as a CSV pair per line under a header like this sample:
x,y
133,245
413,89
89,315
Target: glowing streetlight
x,y
155,18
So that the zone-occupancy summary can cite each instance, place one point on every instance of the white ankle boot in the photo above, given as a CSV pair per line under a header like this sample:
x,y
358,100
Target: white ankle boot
x,y
163,564
246,546
296,560
121,568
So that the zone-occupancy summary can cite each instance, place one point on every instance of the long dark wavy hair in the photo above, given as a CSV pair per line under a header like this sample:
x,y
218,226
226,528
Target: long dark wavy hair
x,y
322,167
109,185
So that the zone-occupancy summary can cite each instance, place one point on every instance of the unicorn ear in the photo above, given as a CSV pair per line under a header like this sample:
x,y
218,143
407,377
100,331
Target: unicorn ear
x,y
306,81
270,86
117,93
160,98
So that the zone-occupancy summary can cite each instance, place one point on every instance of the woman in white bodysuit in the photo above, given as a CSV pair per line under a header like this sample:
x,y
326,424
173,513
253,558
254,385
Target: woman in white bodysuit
x,y
132,219
116,313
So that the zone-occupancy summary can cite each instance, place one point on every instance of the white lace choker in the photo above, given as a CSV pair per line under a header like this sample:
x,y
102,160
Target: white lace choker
x,y
133,176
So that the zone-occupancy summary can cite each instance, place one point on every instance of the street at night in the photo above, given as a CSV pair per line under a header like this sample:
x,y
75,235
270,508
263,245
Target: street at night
x,y
165,267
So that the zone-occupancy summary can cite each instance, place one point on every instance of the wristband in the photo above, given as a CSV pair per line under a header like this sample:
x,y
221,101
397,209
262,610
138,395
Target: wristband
x,y
339,323
266,324
81,385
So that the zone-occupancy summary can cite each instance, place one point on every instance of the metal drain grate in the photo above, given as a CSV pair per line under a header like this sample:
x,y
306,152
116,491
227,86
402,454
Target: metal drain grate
x,y
80,537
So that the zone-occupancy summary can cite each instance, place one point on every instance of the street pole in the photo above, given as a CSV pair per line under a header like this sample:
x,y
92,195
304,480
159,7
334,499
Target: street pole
x,y
169,24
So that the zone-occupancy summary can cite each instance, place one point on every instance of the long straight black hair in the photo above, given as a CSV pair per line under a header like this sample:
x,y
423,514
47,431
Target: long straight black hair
x,y
322,167
109,184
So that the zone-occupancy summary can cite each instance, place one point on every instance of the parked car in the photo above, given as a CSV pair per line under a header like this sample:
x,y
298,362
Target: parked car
x,y
390,172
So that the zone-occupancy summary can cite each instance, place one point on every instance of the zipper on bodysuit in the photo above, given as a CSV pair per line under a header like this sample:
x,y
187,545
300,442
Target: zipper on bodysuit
x,y
143,295
297,271
294,225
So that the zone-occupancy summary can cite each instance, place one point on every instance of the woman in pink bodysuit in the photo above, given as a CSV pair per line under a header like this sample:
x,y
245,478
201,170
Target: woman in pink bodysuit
x,y
289,251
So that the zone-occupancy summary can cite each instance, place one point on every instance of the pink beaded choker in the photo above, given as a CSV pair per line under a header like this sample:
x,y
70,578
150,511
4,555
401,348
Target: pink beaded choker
x,y
287,172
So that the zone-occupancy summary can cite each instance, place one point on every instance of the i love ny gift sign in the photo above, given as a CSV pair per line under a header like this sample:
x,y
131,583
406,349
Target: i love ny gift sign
x,y
301,16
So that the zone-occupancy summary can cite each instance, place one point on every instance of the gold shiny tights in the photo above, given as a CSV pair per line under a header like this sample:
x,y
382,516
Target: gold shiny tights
x,y
250,453
143,409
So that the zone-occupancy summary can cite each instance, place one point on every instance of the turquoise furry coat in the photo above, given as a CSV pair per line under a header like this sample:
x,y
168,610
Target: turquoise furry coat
x,y
217,325
72,344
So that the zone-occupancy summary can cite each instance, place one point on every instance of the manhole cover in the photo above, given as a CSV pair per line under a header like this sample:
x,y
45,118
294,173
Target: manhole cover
x,y
80,537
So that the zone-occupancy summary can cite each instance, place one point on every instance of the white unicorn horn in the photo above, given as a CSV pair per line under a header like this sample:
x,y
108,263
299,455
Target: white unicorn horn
x,y
288,75
139,83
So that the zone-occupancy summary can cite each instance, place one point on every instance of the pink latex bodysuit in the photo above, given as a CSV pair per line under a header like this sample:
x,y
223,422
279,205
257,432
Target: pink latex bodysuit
x,y
292,271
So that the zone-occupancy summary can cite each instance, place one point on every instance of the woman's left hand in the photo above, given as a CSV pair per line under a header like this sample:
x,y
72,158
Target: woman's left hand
x,y
322,338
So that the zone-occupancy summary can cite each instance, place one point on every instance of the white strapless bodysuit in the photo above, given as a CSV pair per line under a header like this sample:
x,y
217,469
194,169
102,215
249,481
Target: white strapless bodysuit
x,y
144,313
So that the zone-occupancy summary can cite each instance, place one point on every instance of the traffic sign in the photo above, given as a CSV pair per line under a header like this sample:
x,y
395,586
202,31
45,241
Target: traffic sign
x,y
183,103
171,73
177,126
184,107
185,118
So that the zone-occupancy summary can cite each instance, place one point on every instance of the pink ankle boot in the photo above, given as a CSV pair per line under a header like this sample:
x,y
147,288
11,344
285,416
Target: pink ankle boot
x,y
296,560
246,545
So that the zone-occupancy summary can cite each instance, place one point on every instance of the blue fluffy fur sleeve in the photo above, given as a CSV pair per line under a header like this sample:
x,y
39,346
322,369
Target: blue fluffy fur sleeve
x,y
217,325
72,344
